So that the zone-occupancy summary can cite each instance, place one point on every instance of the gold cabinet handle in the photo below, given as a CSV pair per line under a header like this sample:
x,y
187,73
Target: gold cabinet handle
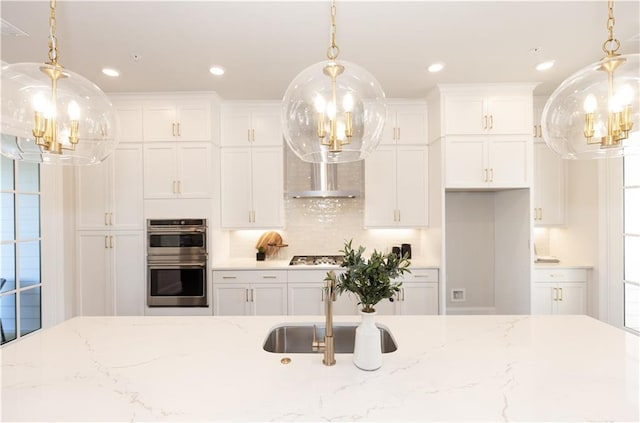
x,y
110,219
253,135
178,126
395,131
491,175
540,209
173,129
111,241
490,121
246,294
486,175
402,290
560,289
398,133
106,221
252,300
539,131
555,294
106,241
229,277
249,134
485,122
179,187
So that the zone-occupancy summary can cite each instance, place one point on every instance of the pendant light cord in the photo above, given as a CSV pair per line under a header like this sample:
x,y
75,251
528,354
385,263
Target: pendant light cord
x,y
611,45
53,41
333,51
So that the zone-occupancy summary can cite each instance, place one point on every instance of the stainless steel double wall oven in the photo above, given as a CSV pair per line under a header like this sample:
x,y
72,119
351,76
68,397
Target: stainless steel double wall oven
x,y
177,262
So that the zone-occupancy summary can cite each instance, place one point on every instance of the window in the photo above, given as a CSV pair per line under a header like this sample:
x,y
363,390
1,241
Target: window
x,y
20,281
631,239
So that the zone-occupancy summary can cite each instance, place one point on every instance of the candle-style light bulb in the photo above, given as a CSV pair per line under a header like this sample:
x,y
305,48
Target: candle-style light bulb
x,y
74,110
331,110
74,114
39,102
590,104
347,102
319,104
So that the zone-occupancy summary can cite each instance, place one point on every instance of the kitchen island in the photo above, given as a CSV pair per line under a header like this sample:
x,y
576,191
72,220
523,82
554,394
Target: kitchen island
x,y
446,368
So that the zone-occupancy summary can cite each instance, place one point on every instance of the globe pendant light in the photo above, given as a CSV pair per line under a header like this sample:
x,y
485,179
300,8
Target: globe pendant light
x,y
51,115
595,113
333,111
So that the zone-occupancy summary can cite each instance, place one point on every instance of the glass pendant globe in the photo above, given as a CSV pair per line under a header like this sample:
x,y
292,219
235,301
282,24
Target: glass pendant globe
x,y
564,114
26,87
309,100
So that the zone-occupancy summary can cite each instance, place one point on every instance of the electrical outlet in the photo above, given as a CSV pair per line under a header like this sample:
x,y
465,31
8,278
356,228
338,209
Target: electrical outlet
x,y
458,295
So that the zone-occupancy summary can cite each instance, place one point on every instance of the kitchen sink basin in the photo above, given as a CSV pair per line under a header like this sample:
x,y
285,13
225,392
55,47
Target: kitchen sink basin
x,y
292,338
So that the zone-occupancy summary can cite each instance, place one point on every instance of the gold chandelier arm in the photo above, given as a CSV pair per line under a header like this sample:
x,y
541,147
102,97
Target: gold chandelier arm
x,y
612,44
333,51
53,41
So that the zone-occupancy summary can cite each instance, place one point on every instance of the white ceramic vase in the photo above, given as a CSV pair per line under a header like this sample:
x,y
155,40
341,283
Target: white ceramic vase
x,y
367,352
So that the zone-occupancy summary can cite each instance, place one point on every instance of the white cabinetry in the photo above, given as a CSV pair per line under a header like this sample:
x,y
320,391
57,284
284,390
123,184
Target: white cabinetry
x,y
252,123
418,294
109,195
110,273
396,187
479,162
549,176
250,293
406,123
129,120
559,291
307,295
481,114
177,170
549,186
177,119
252,187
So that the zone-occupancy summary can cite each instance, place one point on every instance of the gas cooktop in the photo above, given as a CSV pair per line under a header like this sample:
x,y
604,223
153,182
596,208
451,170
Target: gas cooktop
x,y
316,261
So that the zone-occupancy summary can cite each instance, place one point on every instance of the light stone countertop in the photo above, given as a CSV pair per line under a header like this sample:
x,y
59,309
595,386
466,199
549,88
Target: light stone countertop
x,y
446,368
252,264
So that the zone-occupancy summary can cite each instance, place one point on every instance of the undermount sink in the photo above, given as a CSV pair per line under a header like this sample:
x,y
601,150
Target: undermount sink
x,y
292,338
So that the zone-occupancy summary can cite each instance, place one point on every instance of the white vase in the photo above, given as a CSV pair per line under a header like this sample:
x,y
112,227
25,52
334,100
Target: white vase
x,y
367,351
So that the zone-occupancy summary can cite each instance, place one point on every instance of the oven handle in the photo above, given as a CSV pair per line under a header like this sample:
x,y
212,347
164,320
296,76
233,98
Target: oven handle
x,y
175,229
176,265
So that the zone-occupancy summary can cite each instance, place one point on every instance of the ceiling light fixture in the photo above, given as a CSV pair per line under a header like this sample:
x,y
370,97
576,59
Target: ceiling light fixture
x,y
217,70
436,67
333,111
111,72
545,65
47,109
595,112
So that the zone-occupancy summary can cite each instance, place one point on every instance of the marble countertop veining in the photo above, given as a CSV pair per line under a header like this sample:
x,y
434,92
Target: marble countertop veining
x,y
446,368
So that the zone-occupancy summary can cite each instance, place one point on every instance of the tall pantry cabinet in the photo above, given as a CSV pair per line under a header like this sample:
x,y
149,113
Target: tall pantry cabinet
x,y
481,174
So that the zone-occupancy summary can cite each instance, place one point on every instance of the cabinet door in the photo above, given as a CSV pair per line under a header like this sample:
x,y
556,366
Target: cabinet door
x,y
411,121
160,170
464,115
345,305
465,163
549,186
235,127
509,163
93,272
126,188
389,130
411,186
305,299
129,122
269,299
194,122
419,298
388,308
572,298
92,198
267,126
235,176
231,299
267,187
128,270
543,297
194,170
510,114
159,121
380,188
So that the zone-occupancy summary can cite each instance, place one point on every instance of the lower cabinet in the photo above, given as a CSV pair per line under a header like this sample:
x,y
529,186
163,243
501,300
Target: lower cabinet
x,y
306,295
418,294
110,273
559,291
249,293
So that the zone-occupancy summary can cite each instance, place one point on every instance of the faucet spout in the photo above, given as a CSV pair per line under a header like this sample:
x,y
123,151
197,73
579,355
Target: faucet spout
x,y
329,358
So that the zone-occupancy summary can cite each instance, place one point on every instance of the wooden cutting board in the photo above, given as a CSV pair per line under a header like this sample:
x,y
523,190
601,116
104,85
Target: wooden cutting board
x,y
271,242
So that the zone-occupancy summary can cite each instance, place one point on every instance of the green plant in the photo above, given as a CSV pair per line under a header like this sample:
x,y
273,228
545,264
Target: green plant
x,y
370,280
261,249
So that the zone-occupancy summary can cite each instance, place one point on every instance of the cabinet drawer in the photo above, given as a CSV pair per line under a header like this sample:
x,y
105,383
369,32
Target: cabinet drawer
x,y
560,275
309,276
421,275
249,276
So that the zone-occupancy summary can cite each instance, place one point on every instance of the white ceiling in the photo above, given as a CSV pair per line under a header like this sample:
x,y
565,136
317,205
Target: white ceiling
x,y
264,44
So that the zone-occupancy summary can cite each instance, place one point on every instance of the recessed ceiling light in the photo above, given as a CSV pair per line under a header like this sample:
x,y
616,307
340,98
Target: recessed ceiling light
x,y
436,67
217,70
545,65
110,72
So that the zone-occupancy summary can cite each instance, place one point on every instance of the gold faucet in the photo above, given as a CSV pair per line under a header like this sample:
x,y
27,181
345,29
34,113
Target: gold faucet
x,y
327,346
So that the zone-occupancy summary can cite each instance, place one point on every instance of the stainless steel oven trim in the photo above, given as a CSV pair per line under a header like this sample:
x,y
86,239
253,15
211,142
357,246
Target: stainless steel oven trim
x,y
177,301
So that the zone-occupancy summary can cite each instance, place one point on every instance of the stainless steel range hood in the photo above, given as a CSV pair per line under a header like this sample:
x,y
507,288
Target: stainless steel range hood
x,y
322,180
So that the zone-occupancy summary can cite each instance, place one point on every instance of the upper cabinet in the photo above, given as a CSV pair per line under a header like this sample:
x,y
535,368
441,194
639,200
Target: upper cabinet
x,y
406,123
251,123
472,114
129,115
177,119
